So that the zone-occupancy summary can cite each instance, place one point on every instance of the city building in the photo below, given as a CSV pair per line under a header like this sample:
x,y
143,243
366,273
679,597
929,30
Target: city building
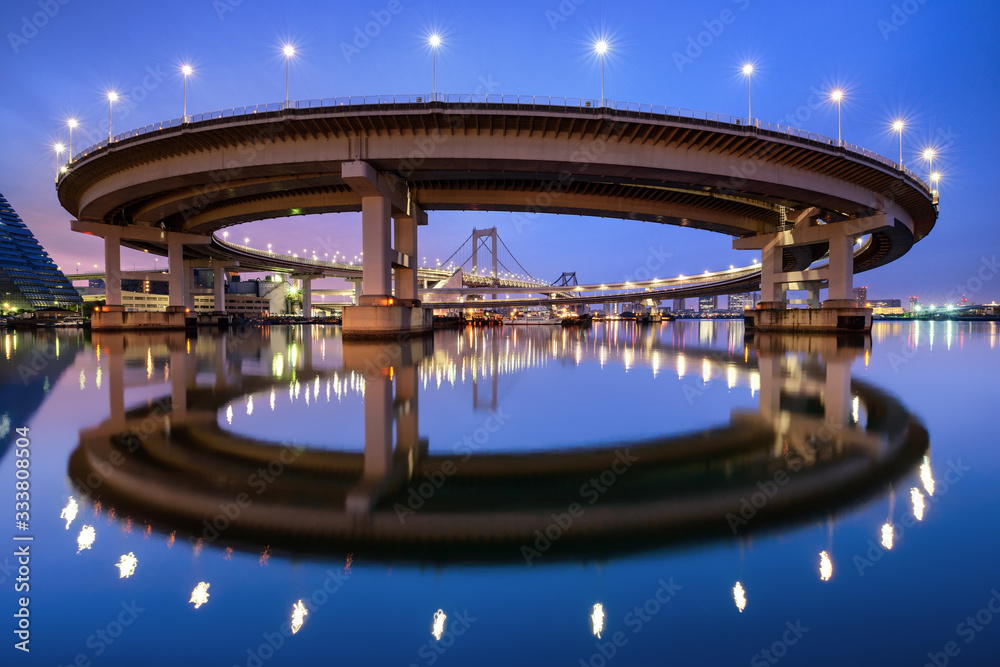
x,y
708,304
886,307
29,279
914,302
861,296
745,301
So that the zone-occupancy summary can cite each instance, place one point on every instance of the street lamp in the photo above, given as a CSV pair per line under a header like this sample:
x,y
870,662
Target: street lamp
x,y
112,98
748,73
225,235
935,177
58,148
928,155
72,122
246,241
186,70
837,96
898,126
435,41
289,51
601,47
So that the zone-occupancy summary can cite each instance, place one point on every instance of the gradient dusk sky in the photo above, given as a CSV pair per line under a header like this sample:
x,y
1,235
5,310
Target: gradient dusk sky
x,y
934,63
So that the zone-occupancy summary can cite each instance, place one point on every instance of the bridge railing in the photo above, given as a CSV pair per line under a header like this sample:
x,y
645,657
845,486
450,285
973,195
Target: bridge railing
x,y
500,101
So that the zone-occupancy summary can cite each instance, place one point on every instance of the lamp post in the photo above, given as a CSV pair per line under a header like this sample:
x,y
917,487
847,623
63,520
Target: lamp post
x,y
112,98
837,96
186,70
602,48
898,127
58,148
929,157
289,51
435,42
748,73
72,122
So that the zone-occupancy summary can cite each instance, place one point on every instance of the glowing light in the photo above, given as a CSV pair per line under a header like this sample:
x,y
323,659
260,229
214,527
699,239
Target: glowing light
x,y
229,414
601,47
86,538
928,154
199,595
70,511
825,566
288,50
434,40
58,148
837,95
887,535
126,565
72,122
299,613
437,628
740,596
186,70
597,619
925,476
936,176
748,69
917,499
112,96
898,125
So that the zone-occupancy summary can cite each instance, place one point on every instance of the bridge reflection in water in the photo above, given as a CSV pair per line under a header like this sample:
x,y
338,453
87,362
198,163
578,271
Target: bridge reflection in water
x,y
818,442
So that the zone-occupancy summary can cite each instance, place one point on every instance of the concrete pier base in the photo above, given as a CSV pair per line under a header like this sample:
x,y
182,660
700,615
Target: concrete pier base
x,y
834,317
386,321
116,318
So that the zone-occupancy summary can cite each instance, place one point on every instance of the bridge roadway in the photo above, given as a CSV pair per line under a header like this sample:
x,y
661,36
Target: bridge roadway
x,y
795,195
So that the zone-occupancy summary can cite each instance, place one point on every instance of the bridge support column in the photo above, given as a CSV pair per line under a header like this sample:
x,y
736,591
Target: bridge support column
x,y
113,268
379,313
189,285
175,260
839,313
307,297
219,285
406,269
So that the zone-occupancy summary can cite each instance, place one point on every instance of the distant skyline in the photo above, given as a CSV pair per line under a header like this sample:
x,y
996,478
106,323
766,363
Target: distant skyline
x,y
935,65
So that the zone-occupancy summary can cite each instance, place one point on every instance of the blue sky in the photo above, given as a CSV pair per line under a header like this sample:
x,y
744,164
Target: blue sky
x,y
935,63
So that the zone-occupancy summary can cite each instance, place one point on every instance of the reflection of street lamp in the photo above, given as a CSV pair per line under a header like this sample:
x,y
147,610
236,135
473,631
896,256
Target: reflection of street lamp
x,y
186,71
748,73
898,127
435,42
112,98
837,96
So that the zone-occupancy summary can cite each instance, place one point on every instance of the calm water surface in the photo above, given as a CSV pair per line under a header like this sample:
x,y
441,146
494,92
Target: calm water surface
x,y
725,500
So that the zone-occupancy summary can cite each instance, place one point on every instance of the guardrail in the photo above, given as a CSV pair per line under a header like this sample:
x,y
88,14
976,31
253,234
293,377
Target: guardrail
x,y
502,102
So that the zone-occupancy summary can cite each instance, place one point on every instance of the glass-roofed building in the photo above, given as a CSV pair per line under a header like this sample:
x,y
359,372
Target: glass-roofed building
x,y
29,279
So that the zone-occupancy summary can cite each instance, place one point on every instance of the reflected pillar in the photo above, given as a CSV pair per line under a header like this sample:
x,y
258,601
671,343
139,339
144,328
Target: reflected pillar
x,y
116,384
378,426
307,295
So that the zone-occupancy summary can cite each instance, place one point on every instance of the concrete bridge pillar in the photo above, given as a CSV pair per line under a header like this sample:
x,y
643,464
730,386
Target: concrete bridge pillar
x,y
406,246
219,285
175,261
839,313
189,285
307,297
379,312
112,268
377,285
